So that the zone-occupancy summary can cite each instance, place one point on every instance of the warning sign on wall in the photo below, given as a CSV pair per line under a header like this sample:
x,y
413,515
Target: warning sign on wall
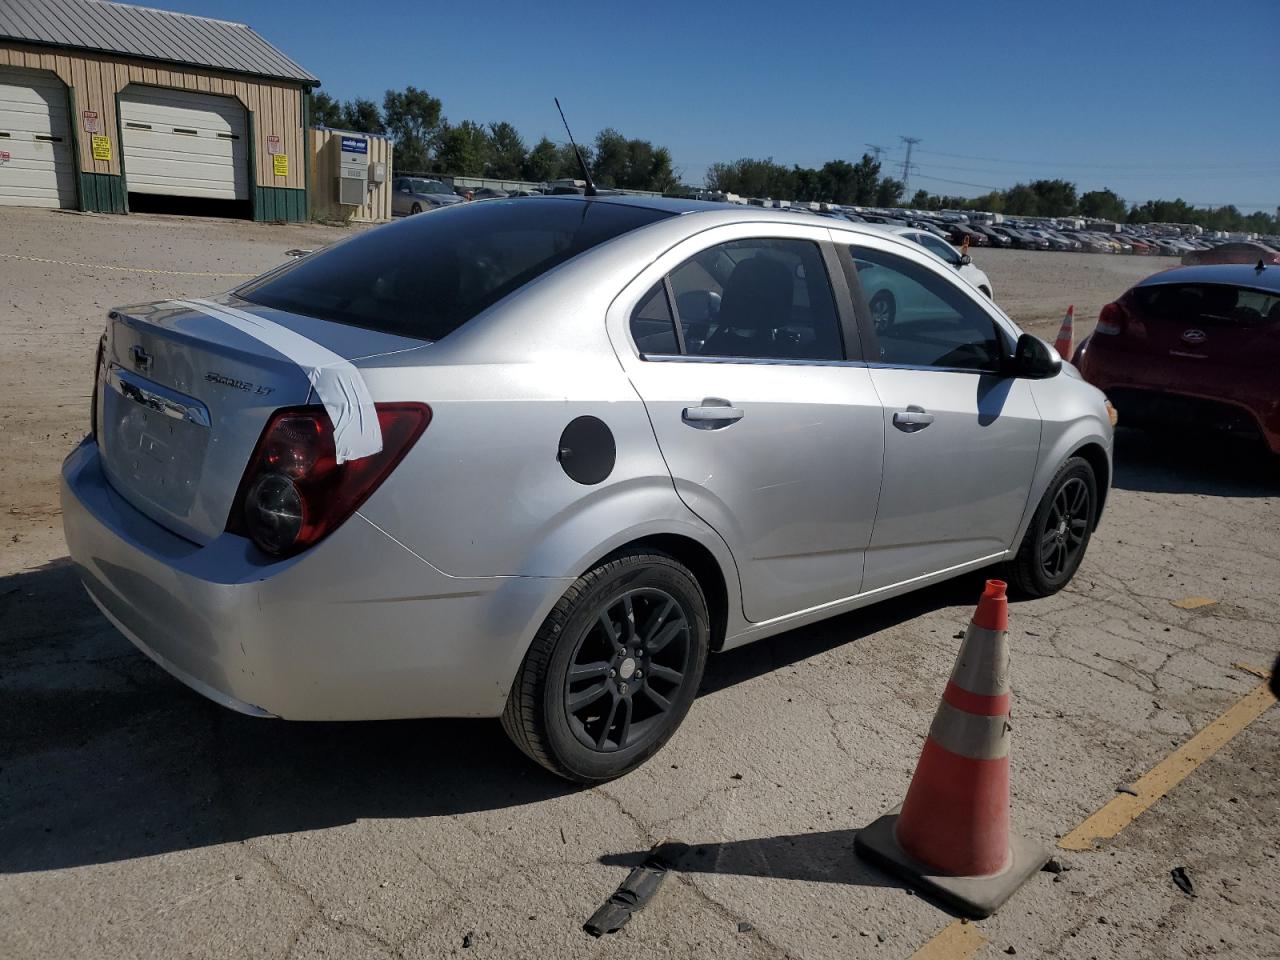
x,y
90,120
101,148
273,145
280,162
4,156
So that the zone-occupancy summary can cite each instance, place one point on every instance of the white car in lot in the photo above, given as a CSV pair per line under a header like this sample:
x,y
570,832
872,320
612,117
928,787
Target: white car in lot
x,y
888,300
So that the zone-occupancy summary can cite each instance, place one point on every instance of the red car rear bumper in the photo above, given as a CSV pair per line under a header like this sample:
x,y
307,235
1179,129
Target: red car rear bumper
x,y
1158,389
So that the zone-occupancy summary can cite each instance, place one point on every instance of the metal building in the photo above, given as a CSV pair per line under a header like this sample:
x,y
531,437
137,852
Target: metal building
x,y
100,101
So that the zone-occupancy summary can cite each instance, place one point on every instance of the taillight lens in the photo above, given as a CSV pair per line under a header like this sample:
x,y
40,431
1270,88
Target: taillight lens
x,y
1111,320
294,493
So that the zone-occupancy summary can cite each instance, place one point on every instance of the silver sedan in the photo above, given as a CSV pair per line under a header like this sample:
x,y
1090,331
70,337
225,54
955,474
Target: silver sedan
x,y
537,458
410,195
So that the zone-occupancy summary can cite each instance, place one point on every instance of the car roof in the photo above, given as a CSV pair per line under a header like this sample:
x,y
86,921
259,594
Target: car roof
x,y
1236,274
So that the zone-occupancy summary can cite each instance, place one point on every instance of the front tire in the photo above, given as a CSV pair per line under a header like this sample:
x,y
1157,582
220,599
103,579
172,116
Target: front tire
x,y
613,669
1059,533
884,310
416,208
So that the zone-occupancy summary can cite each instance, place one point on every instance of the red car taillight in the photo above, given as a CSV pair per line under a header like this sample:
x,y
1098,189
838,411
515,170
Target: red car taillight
x,y
1111,320
294,492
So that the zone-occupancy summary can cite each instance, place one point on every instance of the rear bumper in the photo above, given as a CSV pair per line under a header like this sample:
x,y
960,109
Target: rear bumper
x,y
357,628
1142,406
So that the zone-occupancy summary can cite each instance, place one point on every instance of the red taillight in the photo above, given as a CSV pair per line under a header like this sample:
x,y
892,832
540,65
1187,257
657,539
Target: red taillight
x,y
1111,320
294,492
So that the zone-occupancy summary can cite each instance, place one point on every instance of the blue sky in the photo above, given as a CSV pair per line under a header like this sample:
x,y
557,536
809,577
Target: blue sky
x,y
1179,102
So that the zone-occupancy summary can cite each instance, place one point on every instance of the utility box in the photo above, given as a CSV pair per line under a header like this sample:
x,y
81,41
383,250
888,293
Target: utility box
x,y
353,170
377,172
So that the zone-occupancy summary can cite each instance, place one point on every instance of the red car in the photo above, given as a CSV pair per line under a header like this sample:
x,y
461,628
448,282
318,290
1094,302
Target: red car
x,y
1236,251
1193,346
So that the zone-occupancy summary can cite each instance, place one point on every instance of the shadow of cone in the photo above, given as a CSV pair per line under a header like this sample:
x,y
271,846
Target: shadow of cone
x,y
1066,334
950,838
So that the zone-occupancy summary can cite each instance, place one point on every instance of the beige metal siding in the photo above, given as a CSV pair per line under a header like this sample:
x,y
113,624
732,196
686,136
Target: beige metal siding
x,y
324,184
96,79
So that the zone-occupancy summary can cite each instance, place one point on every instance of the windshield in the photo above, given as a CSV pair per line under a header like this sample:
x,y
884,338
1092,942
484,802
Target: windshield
x,y
426,276
429,186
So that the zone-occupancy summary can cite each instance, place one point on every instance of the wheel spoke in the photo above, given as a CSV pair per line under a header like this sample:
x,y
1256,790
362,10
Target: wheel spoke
x,y
587,671
664,673
608,722
658,700
655,624
665,636
610,630
1047,547
1079,498
584,698
625,731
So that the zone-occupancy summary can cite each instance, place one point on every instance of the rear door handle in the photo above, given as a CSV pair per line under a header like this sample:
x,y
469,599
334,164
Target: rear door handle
x,y
712,413
912,419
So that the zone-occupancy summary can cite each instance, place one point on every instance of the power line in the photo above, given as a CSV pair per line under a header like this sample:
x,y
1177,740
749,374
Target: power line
x,y
1188,167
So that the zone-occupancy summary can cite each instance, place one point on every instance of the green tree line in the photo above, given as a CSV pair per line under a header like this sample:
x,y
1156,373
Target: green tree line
x,y
426,141
1060,198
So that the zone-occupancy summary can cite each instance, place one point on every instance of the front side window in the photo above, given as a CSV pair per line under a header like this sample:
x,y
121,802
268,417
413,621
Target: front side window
x,y
426,276
922,319
758,299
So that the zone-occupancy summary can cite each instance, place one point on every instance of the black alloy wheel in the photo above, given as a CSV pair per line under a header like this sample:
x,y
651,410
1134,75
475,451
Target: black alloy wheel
x,y
627,669
1058,535
613,669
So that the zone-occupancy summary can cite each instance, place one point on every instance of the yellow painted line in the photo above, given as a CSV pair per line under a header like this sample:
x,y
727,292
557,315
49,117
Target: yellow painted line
x,y
1169,772
105,266
956,941
1193,603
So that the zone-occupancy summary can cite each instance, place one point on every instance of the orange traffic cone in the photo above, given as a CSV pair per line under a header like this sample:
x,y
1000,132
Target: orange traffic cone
x,y
1066,334
951,837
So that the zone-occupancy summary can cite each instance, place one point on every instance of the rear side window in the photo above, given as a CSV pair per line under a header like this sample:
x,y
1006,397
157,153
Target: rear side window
x,y
758,299
1207,304
428,275
653,328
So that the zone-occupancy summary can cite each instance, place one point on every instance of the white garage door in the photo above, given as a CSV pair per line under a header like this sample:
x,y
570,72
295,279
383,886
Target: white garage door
x,y
36,165
183,144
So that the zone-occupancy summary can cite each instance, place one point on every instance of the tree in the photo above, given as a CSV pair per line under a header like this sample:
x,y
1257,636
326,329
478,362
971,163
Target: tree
x,y
542,162
506,152
889,192
567,166
325,111
363,116
1020,200
865,181
1103,204
1054,198
923,200
412,118
631,164
753,178
463,149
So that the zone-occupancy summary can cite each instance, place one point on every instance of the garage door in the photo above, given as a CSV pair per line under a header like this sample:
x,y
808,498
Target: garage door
x,y
36,165
183,144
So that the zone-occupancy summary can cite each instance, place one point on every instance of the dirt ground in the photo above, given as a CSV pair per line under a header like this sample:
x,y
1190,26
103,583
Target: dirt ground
x,y
139,820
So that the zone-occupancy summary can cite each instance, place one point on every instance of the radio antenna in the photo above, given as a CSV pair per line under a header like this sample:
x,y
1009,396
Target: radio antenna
x,y
586,172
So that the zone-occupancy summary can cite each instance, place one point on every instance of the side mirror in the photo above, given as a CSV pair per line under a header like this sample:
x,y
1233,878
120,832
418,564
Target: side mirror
x,y
1033,359
965,260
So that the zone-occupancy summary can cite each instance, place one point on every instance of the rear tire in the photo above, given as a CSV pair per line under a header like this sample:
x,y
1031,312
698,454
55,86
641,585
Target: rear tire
x,y
613,669
1056,540
416,208
884,310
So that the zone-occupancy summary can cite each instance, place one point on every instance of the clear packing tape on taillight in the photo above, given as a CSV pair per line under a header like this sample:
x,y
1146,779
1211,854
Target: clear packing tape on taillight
x,y
336,382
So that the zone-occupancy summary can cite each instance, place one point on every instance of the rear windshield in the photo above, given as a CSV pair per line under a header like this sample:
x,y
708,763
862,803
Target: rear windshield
x,y
428,275
1202,304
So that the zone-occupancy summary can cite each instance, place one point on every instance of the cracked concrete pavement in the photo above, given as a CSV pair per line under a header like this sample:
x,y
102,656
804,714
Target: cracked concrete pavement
x,y
138,820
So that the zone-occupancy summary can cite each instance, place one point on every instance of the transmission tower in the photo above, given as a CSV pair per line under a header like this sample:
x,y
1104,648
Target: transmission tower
x,y
876,149
906,164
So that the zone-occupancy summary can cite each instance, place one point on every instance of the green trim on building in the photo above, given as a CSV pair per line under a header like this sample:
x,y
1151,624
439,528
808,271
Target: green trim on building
x,y
103,193
279,203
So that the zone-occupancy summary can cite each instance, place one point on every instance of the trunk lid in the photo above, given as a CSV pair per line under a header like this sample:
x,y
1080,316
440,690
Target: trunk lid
x,y
183,397
1201,328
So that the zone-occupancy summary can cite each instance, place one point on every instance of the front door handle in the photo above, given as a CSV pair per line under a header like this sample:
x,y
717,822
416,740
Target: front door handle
x,y
712,414
912,419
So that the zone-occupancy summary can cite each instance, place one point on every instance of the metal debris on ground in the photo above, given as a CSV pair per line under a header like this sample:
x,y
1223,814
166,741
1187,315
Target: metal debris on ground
x,y
635,891
744,927
1183,881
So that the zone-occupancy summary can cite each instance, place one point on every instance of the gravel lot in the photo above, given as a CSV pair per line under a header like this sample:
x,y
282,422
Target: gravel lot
x,y
138,820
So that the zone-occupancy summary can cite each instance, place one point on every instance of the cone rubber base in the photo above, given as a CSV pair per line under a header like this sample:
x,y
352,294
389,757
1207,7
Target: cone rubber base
x,y
977,897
